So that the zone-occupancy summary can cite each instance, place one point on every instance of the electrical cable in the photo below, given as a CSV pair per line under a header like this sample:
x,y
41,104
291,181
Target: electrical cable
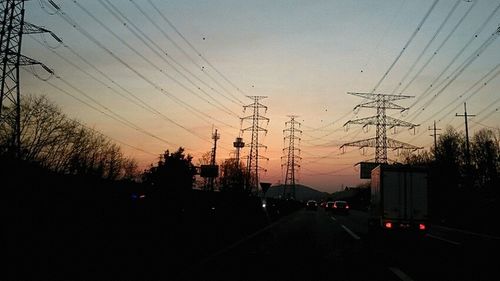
x,y
198,53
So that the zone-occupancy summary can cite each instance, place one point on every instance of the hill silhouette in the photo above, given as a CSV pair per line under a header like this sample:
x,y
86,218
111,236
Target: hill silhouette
x,y
302,192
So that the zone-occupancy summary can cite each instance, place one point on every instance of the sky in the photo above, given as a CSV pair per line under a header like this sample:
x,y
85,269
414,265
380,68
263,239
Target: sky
x,y
173,71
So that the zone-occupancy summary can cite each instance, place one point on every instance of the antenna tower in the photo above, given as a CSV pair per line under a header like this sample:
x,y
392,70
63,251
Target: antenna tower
x,y
291,154
381,142
12,29
253,168
238,144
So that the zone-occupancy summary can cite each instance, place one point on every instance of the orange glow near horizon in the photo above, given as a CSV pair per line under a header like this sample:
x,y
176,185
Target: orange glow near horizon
x,y
304,56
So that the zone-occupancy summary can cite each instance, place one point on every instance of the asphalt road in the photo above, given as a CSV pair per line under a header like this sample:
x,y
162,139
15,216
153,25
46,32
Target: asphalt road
x,y
317,245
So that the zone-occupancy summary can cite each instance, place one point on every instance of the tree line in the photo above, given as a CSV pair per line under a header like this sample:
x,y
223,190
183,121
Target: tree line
x,y
479,169
61,144
176,173
64,145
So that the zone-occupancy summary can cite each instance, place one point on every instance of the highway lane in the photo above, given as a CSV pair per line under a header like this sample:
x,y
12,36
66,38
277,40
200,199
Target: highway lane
x,y
317,245
442,254
307,245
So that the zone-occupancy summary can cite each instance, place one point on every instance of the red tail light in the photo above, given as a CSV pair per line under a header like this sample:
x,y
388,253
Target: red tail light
x,y
388,224
421,226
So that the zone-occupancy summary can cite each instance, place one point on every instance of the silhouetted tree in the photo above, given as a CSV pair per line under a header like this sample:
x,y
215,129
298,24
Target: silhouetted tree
x,y
421,158
174,172
232,175
64,145
485,156
449,156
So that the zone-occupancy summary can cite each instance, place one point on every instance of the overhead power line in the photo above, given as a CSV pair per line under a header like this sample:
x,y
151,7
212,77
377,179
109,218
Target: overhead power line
x,y
80,29
405,46
116,140
438,49
432,85
468,93
168,94
110,115
198,53
228,94
381,142
158,51
459,70
438,30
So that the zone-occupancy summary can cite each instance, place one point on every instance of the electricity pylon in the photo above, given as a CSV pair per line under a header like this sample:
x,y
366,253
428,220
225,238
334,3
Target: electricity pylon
x,y
253,168
381,102
11,34
292,155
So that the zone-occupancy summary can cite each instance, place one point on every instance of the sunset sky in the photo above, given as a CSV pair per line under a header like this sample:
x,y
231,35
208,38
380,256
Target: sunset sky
x,y
174,86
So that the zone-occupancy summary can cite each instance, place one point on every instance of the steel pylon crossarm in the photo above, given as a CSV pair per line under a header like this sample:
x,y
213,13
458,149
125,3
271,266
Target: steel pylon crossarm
x,y
381,142
372,142
256,118
389,121
386,97
12,29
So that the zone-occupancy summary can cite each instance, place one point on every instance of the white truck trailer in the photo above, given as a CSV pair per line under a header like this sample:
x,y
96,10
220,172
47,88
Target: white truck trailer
x,y
399,200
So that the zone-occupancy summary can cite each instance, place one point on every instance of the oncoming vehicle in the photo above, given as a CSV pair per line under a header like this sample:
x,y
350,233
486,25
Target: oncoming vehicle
x,y
340,207
312,205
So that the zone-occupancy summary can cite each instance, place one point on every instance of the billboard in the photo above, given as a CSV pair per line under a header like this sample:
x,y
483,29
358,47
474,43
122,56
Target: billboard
x,y
365,171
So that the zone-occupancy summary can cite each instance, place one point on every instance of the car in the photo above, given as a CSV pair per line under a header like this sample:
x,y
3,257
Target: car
x,y
311,205
323,204
340,207
329,205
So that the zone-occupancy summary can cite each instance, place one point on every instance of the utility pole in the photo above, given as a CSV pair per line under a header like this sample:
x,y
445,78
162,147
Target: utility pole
x,y
467,145
434,134
292,156
11,34
215,137
381,142
253,168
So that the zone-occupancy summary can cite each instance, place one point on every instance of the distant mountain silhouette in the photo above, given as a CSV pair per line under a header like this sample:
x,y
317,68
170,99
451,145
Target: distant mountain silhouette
x,y
302,192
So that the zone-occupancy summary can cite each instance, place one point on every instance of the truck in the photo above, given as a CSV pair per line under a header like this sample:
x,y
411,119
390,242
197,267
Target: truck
x,y
398,199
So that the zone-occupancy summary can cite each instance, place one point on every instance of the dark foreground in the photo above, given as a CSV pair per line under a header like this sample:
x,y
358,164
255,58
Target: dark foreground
x,y
316,245
66,228
303,245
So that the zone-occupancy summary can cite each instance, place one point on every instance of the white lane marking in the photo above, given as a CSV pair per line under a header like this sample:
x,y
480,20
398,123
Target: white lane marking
x,y
400,274
350,232
333,218
443,239
468,232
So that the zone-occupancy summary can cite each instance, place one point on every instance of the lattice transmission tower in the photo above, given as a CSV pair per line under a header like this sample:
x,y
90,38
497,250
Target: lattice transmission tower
x,y
13,27
257,117
381,121
291,153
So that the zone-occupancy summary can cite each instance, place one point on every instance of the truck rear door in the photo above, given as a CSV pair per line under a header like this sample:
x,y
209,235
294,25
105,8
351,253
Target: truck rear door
x,y
416,195
393,198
